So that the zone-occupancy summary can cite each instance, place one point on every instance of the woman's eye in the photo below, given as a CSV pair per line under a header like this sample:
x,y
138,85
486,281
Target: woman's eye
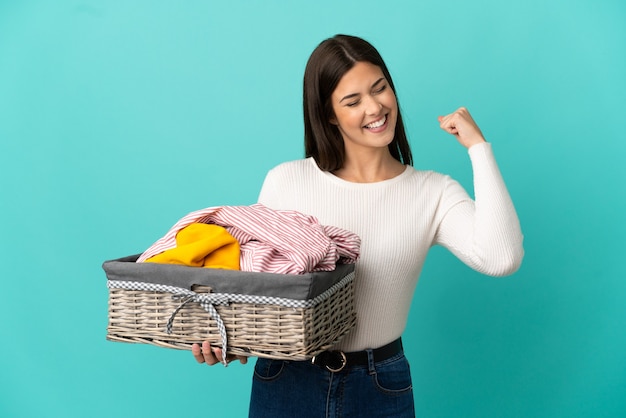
x,y
352,104
380,90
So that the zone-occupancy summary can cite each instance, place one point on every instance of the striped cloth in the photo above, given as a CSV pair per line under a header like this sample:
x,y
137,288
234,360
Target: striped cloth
x,y
272,241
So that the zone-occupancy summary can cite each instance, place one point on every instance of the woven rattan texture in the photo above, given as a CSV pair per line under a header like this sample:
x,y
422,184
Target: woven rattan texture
x,y
261,330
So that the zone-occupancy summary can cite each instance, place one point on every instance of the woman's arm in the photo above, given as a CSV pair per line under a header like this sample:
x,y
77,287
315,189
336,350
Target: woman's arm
x,y
484,233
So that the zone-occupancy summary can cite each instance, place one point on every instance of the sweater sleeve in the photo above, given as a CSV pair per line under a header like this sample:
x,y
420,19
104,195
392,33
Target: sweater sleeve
x,y
484,233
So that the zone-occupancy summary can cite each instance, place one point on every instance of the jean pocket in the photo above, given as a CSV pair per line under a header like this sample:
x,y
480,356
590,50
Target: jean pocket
x,y
268,369
393,377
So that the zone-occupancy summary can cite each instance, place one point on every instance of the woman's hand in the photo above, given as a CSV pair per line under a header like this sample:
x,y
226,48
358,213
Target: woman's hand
x,y
210,356
462,126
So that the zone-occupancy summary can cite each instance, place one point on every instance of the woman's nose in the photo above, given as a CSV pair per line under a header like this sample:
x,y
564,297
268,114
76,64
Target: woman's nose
x,y
372,106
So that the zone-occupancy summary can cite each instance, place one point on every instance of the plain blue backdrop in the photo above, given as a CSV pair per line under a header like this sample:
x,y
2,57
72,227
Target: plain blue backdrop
x,y
119,117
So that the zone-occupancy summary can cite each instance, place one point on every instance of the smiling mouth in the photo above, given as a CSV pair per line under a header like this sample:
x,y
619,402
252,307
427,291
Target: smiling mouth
x,y
377,124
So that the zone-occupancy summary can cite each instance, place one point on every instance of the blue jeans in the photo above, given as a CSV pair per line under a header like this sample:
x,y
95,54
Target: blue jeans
x,y
300,389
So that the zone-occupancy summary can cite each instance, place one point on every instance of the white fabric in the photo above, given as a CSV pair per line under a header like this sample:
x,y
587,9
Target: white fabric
x,y
398,220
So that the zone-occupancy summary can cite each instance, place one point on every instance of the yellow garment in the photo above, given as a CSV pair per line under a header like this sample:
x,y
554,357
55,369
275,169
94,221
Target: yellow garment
x,y
202,245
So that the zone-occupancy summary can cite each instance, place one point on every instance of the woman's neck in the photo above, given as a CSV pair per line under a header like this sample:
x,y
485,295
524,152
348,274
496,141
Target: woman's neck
x,y
370,168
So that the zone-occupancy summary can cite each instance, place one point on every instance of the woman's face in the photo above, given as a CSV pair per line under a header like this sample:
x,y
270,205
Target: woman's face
x,y
365,108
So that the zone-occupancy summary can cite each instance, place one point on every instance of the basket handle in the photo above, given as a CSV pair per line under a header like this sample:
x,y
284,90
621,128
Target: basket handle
x,y
200,288
206,301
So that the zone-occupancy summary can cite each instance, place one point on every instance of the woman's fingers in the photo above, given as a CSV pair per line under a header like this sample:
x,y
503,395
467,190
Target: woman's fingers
x,y
448,125
212,355
196,350
205,354
460,124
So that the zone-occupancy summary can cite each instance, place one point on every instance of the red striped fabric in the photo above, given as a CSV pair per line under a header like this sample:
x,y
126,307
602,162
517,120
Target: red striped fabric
x,y
273,241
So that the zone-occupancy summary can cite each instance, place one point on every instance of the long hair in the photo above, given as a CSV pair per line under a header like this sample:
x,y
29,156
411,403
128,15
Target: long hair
x,y
327,64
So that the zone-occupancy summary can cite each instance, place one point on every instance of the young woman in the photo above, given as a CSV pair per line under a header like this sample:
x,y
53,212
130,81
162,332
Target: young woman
x,y
358,175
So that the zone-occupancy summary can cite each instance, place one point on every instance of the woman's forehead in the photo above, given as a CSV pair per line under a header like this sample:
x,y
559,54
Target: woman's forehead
x,y
362,76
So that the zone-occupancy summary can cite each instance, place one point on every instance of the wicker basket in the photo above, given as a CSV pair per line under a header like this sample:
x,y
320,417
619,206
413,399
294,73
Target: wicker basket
x,y
294,318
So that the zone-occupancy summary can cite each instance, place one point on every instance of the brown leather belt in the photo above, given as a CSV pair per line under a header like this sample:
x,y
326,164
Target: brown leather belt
x,y
335,361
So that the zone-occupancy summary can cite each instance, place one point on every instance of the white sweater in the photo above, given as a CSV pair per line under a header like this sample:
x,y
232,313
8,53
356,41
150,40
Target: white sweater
x,y
398,220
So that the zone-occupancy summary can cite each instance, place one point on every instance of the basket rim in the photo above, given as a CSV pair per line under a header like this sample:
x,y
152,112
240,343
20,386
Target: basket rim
x,y
217,297
289,286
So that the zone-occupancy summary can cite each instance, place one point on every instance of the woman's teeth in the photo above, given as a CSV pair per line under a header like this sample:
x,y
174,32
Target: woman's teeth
x,y
377,124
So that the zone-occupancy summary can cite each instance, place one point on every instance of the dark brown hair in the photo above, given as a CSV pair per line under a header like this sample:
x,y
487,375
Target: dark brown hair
x,y
327,64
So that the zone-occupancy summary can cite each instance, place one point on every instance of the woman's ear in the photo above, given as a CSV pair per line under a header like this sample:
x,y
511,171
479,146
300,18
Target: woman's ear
x,y
333,120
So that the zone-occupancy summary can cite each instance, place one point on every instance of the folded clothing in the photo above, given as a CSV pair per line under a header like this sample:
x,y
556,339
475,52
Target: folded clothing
x,y
202,245
273,241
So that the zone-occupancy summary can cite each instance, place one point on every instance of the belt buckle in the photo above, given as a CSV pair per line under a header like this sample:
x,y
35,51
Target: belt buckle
x,y
341,357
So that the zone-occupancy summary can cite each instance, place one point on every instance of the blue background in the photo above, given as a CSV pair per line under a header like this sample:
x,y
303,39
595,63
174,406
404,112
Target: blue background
x,y
119,117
